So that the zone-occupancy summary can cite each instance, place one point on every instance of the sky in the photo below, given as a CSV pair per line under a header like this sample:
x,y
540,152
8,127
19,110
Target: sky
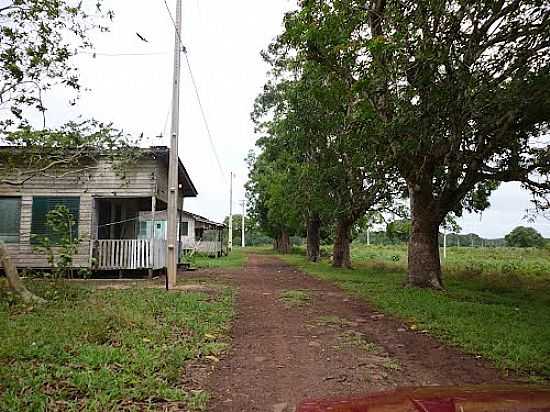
x,y
223,40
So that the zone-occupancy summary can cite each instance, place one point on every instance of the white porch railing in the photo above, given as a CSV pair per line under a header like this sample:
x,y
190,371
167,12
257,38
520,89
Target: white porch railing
x,y
129,254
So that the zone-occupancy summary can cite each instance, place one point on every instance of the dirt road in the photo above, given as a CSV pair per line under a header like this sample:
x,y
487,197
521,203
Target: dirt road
x,y
334,345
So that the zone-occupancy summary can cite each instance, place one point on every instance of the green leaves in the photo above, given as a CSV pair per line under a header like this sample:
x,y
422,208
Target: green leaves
x,y
38,38
524,237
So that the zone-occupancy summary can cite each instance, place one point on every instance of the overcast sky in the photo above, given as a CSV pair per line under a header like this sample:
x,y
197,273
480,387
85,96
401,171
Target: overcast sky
x,y
224,40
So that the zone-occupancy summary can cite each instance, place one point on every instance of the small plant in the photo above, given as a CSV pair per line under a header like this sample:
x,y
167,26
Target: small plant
x,y
295,297
332,320
391,364
357,339
62,243
189,258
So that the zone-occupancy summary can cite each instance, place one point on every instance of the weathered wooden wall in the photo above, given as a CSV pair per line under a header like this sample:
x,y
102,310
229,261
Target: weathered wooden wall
x,y
143,180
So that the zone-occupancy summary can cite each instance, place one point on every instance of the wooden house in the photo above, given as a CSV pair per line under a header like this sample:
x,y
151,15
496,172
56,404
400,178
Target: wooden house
x,y
106,207
197,233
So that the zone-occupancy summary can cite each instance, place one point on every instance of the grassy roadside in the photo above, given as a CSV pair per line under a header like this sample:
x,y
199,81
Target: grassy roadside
x,y
505,323
236,259
108,350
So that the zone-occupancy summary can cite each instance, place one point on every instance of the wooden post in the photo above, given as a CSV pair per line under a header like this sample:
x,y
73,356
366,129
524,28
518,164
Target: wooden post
x,y
112,219
152,237
230,231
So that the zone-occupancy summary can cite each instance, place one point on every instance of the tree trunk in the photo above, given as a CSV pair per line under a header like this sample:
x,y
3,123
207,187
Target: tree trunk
x,y
282,243
14,281
341,256
314,238
424,263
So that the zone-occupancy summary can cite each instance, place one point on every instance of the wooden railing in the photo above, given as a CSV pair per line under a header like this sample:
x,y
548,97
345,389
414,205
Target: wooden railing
x,y
112,254
207,247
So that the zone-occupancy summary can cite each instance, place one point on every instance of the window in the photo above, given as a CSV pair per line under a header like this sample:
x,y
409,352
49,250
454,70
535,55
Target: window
x,y
10,216
199,232
143,230
184,229
41,206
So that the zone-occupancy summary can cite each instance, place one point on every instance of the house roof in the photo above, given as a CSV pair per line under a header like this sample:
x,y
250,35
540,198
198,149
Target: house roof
x,y
162,215
157,152
203,219
163,153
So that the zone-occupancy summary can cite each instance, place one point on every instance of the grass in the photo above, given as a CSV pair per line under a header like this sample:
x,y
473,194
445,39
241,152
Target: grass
x,y
359,340
527,265
107,350
236,259
504,317
331,321
294,298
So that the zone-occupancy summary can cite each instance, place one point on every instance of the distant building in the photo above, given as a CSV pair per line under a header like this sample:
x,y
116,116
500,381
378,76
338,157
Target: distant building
x,y
197,233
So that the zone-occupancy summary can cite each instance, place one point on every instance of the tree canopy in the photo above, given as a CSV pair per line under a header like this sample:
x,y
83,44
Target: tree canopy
x,y
523,236
38,39
454,95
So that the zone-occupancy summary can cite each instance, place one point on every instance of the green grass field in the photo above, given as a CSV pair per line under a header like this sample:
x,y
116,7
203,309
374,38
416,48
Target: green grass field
x,y
104,350
236,259
497,302
524,264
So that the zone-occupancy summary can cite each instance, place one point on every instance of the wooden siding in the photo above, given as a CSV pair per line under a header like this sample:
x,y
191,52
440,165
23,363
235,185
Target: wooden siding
x,y
22,253
141,180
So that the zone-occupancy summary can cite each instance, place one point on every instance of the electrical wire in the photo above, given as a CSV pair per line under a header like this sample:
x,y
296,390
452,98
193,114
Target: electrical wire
x,y
197,94
173,22
124,54
207,127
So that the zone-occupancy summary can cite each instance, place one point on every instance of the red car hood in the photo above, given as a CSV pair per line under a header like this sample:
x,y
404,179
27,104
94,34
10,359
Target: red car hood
x,y
442,399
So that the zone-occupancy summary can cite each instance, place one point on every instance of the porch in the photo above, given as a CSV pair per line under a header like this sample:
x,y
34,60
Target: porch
x,y
129,254
121,242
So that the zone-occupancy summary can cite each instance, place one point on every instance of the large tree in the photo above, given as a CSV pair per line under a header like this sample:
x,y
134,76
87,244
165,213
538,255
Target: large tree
x,y
326,130
523,236
271,201
463,90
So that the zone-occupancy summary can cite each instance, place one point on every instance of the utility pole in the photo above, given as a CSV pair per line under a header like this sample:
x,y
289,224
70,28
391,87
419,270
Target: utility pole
x,y
243,204
230,237
173,186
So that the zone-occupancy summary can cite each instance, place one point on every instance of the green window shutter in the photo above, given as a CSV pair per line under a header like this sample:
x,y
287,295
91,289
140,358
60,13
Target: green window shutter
x,y
41,206
10,218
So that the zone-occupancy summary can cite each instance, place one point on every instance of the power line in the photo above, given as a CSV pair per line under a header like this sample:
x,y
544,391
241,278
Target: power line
x,y
124,54
195,87
210,138
173,22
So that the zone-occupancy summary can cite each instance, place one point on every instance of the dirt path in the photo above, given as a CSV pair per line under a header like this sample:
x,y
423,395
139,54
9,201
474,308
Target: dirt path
x,y
333,346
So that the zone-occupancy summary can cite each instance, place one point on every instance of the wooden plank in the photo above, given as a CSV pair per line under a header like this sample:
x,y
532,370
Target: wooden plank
x,y
134,246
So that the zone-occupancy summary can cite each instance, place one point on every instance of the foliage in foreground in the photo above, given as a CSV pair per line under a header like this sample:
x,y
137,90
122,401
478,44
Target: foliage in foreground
x,y
105,350
506,322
